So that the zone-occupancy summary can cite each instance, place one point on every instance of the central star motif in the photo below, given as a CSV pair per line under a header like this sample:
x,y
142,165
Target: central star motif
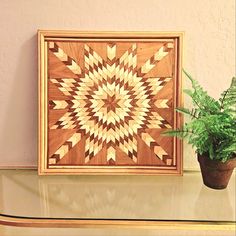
x,y
112,102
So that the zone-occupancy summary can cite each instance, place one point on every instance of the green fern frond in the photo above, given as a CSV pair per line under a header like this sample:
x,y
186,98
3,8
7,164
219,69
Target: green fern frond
x,y
212,128
200,98
176,133
228,99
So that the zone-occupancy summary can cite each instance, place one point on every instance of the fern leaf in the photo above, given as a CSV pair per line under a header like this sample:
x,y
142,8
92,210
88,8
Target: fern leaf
x,y
228,99
188,75
175,133
200,98
183,110
188,92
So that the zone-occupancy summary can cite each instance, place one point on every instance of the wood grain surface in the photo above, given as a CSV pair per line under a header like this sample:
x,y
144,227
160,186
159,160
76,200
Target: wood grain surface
x,y
109,101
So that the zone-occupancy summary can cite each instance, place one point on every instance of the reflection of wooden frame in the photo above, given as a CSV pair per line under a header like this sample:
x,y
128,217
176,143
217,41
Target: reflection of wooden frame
x,y
170,161
95,196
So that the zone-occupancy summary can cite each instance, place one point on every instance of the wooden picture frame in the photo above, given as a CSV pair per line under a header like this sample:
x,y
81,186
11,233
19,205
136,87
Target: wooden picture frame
x,y
105,98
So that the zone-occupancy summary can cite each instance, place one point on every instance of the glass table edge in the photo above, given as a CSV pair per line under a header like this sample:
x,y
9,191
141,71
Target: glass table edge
x,y
41,222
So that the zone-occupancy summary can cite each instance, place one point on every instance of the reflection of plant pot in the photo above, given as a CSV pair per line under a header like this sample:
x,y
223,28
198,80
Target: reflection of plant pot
x,y
216,174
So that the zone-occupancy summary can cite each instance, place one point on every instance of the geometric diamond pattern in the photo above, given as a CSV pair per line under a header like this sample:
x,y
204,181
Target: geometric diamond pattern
x,y
110,103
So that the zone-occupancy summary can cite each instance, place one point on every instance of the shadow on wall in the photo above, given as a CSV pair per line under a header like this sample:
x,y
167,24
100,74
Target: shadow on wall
x,y
19,135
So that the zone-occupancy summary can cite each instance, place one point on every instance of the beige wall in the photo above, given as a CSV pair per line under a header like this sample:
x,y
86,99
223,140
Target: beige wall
x,y
209,52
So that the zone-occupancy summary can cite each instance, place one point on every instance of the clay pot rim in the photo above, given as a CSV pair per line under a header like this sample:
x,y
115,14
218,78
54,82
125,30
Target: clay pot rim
x,y
216,164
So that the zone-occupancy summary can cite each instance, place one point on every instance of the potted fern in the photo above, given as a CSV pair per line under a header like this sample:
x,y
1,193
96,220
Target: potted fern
x,y
212,132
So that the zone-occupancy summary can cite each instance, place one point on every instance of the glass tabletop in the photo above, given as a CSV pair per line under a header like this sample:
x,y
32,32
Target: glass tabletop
x,y
25,194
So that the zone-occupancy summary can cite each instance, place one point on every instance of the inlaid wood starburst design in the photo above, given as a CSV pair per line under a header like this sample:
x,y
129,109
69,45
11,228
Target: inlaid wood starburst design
x,y
109,102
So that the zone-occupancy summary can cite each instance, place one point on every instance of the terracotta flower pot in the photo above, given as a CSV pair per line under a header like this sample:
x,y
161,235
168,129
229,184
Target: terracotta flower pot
x,y
216,174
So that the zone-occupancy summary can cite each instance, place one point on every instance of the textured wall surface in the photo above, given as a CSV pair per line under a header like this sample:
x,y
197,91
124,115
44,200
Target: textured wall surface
x,y
209,52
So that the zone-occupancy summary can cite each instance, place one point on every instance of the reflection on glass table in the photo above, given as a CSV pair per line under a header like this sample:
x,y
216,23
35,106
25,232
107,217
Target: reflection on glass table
x,y
24,193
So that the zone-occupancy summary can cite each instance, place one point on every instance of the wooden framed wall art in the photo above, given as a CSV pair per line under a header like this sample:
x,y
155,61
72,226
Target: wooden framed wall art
x,y
104,100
